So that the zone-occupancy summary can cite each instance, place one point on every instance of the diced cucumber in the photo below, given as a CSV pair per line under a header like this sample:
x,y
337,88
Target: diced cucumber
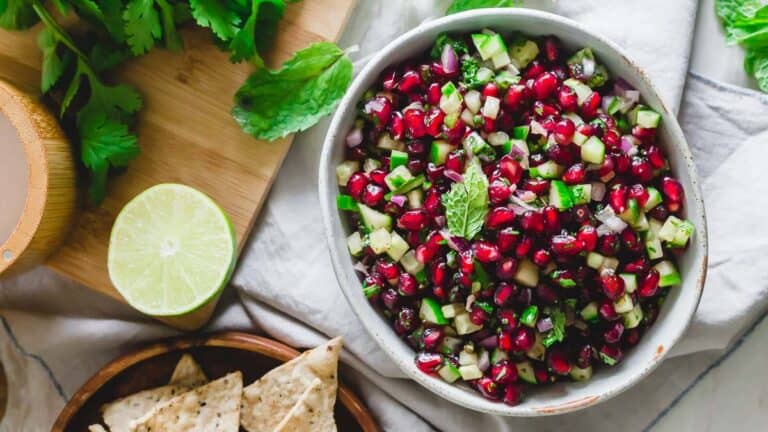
x,y
431,312
439,151
397,158
450,101
632,213
560,195
483,76
501,59
397,177
355,244
525,372
453,309
522,52
614,103
624,304
346,202
654,199
386,142
593,150
652,242
379,240
345,170
488,45
520,144
397,247
409,185
464,325
373,220
415,198
633,318
675,231
505,78
589,312
669,274
581,193
470,372
609,263
630,281
641,224
582,90
579,138
479,146
529,316
646,118
527,274
371,164
467,358
449,373
498,139
498,355
411,264
491,107
547,170
575,118
579,374
538,351
595,260
521,132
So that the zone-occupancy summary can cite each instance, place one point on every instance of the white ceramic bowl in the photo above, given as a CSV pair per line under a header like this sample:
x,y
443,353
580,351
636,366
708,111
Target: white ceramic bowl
x,y
681,302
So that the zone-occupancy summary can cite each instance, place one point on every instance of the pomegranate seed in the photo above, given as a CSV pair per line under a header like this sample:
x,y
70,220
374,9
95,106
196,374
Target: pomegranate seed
x,y
489,124
612,352
407,284
504,372
462,279
513,394
637,266
659,213
584,356
608,312
378,176
534,69
478,315
423,254
558,362
567,98
455,161
511,169
639,193
491,89
414,123
643,134
467,262
508,320
356,184
532,222
609,244
586,129
500,216
546,112
630,241
613,285
672,189
434,172
388,270
439,271
541,374
524,247
488,388
434,94
434,122
655,157
541,257
588,237
506,268
507,239
389,79
429,362
504,293
621,163
439,292
544,85
524,339
551,49
411,82
379,109
414,239
413,220
551,219
611,140
499,192
575,174
613,333
562,155
504,340
566,245
515,96
650,284
617,198
406,320
486,252
581,214
539,187
642,169
564,130
373,195
390,299
546,294
632,337
455,134
590,106
431,338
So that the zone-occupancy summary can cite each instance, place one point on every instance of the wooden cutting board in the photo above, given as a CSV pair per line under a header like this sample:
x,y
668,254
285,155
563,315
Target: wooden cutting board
x,y
185,130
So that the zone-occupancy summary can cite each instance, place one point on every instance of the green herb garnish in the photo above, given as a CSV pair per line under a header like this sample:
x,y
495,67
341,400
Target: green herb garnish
x,y
463,5
746,24
466,204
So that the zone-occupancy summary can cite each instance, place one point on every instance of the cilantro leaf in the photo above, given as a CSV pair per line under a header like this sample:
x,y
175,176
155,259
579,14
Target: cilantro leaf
x,y
464,5
168,17
215,15
259,28
469,68
142,25
53,63
274,103
557,334
17,15
459,46
466,204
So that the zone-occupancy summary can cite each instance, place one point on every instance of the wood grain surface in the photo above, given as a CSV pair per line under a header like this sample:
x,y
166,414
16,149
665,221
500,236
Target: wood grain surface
x,y
185,130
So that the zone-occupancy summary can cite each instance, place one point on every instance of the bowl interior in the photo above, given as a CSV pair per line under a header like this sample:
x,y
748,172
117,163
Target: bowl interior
x,y
681,302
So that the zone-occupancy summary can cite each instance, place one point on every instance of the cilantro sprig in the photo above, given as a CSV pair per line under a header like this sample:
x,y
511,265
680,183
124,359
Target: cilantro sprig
x,y
746,23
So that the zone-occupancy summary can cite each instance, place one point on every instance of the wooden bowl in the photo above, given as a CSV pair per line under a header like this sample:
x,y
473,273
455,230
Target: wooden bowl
x,y
51,194
217,354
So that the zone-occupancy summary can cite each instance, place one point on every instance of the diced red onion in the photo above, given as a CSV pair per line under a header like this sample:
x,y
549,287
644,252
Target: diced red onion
x,y
603,230
544,324
615,224
453,175
598,191
362,268
470,301
398,200
620,86
449,59
517,202
606,102
490,342
354,137
605,214
629,144
456,243
537,128
521,154
632,96
484,361
526,195
440,221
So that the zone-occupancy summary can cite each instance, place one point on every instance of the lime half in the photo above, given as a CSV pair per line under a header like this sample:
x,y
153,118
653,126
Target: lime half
x,y
171,251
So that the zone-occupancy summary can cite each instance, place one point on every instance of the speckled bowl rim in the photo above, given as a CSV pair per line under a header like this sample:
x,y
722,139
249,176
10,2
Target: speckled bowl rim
x,y
379,329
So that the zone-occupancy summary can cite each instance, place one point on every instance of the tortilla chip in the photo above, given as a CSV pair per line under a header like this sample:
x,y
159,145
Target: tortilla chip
x,y
188,373
214,407
96,428
119,414
312,413
267,401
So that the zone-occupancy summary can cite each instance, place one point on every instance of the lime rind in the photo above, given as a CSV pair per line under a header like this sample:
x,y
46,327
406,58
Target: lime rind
x,y
172,250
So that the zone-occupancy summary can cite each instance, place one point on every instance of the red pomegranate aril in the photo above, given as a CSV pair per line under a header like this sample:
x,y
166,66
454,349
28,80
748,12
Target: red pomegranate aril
x,y
617,198
613,333
590,106
584,356
551,49
431,338
612,284
406,320
608,312
544,85
541,257
660,213
429,362
467,262
455,134
504,340
491,89
621,163
508,320
562,155
632,337
500,216
388,270
507,239
639,193
581,214
486,252
513,394
378,176
515,96
423,254
478,316
434,122
546,112
411,82
488,388
407,284
356,185
588,236
672,189
575,174
551,219
524,247
504,293
434,172
546,294
643,134
642,169
463,279
541,374
499,192
532,222
655,157
504,372
372,195
630,241
566,245
489,124
455,161
379,109
413,220
390,298
397,126
564,130
609,245
611,140
439,273
414,123
523,339
511,169
506,269
567,98
637,266
389,79
558,362
535,69
649,285
434,94
611,352
539,187
439,292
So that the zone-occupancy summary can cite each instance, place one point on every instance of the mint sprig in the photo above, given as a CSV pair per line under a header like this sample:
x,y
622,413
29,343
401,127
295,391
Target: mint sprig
x,y
466,204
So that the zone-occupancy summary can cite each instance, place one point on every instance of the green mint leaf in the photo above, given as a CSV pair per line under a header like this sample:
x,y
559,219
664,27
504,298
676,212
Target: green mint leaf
x,y
459,46
142,25
17,15
215,15
759,68
274,103
464,5
466,204
53,63
735,15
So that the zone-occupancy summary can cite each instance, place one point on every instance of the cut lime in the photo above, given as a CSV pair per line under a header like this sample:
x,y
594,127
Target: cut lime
x,y
171,251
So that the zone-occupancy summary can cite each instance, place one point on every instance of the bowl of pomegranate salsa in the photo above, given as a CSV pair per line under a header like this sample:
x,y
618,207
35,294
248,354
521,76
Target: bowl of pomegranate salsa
x,y
517,212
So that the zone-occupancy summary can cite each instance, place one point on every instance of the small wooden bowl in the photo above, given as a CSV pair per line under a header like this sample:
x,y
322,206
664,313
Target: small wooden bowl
x,y
217,354
51,194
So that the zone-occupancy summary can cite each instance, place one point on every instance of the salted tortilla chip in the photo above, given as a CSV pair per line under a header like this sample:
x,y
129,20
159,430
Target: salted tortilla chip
x,y
96,428
312,413
267,401
214,407
119,414
188,373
